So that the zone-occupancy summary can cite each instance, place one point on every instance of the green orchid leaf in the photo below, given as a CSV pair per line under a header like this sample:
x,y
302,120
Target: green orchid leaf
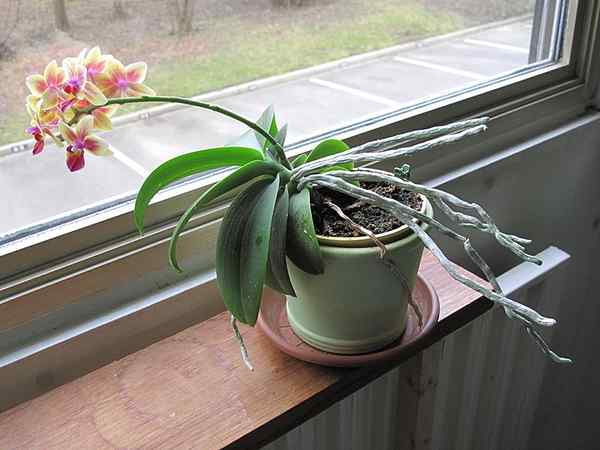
x,y
273,129
268,123
302,244
327,148
243,249
332,168
270,279
255,251
229,247
299,160
280,139
185,165
241,176
281,135
255,140
277,269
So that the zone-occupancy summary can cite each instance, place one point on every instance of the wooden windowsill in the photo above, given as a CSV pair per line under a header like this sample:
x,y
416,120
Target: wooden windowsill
x,y
192,390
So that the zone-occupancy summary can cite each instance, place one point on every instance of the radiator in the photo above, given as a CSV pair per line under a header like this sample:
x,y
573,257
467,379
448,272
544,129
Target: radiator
x,y
476,389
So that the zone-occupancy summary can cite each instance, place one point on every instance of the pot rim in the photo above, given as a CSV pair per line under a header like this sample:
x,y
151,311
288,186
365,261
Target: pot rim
x,y
387,237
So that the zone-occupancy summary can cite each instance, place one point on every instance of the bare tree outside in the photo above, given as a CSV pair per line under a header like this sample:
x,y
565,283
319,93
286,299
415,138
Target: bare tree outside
x,y
119,11
61,20
183,12
288,3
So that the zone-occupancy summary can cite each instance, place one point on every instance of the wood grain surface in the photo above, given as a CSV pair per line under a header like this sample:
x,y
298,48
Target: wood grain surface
x,y
192,390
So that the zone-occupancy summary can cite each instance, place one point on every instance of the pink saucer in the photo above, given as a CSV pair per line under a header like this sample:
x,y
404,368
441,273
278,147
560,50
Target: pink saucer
x,y
274,324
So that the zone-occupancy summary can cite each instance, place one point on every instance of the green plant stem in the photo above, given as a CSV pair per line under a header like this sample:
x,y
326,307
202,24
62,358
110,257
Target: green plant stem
x,y
197,104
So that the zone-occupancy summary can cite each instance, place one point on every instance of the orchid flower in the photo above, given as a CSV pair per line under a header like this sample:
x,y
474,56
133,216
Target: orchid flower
x,y
79,140
77,84
41,125
37,132
94,62
47,87
120,81
102,115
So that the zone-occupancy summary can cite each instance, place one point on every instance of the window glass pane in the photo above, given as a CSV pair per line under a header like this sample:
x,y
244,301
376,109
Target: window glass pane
x,y
359,59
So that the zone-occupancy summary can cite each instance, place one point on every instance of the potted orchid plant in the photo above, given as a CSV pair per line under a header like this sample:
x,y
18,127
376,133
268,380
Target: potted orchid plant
x,y
305,227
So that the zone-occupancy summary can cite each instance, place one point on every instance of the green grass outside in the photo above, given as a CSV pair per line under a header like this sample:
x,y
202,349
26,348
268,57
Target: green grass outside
x,y
249,52
12,128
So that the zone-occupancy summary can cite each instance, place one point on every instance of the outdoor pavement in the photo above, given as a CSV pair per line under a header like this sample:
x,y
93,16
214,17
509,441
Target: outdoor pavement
x,y
41,187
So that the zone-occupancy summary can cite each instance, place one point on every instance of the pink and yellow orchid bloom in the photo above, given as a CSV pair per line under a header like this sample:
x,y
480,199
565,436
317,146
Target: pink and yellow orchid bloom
x,y
120,81
48,118
78,86
33,102
79,140
48,86
37,132
94,62
102,115
41,126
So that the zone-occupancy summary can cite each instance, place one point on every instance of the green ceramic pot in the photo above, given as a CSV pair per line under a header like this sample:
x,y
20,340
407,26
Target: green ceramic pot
x,y
357,305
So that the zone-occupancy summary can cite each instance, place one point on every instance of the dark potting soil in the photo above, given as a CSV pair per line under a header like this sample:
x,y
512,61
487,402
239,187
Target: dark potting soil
x,y
328,223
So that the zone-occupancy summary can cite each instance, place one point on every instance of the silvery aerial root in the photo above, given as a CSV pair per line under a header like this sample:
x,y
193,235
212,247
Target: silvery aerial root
x,y
344,181
240,339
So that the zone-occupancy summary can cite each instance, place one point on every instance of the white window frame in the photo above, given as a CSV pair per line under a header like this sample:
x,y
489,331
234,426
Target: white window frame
x,y
58,268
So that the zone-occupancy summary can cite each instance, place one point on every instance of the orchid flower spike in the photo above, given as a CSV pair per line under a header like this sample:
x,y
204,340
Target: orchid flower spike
x,y
77,93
